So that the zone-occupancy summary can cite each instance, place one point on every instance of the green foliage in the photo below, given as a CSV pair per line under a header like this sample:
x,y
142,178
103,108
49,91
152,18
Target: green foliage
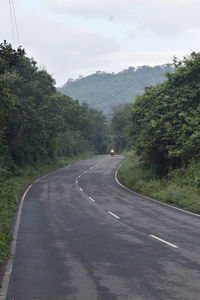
x,y
8,202
38,123
179,188
104,90
132,174
165,133
166,119
121,126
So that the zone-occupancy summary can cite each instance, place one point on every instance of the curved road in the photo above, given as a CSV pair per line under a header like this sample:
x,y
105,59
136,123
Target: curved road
x,y
84,237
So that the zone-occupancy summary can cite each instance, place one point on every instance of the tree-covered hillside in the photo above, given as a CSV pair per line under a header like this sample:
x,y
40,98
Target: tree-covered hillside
x,y
104,90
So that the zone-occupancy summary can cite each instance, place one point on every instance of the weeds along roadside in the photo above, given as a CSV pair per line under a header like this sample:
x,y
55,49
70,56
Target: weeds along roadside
x,y
11,190
180,188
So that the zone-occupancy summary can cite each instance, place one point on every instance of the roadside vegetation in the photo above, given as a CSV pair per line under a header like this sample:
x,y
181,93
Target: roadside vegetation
x,y
11,190
180,188
162,128
40,130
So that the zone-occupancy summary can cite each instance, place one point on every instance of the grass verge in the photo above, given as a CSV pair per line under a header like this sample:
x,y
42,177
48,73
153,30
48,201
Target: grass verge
x,y
180,188
11,189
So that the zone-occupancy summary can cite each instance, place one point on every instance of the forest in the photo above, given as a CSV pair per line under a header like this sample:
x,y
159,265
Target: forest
x,y
38,126
162,128
106,90
37,122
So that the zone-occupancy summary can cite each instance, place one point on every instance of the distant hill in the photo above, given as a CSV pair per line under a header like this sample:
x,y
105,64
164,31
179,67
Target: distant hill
x,y
104,90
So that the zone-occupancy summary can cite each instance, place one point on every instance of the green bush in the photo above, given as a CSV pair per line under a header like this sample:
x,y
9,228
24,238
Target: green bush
x,y
179,188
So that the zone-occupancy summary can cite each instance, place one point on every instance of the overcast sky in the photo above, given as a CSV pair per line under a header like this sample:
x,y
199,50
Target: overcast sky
x,y
79,37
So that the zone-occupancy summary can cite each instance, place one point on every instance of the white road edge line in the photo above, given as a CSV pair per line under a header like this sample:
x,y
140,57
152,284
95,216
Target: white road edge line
x,y
115,216
36,180
151,199
9,266
163,241
91,199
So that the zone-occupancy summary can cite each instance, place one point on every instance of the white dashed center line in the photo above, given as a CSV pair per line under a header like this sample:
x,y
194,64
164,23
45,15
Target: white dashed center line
x,y
81,189
163,241
91,199
115,216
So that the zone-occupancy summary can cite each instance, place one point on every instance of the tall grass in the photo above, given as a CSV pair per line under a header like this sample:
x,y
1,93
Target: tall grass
x,y
180,188
12,186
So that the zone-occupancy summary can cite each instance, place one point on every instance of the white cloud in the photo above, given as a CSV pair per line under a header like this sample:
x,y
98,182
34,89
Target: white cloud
x,y
92,8
160,16
170,17
139,58
60,49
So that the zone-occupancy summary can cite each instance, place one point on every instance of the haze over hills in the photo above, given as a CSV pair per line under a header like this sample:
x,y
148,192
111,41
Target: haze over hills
x,y
104,90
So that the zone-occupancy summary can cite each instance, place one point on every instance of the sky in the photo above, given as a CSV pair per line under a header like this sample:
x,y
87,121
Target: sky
x,y
69,38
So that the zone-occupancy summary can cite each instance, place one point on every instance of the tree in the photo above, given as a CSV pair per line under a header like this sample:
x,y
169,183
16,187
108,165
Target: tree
x,y
166,119
121,126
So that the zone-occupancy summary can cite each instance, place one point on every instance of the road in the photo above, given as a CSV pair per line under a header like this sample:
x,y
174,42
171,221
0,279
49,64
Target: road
x,y
84,237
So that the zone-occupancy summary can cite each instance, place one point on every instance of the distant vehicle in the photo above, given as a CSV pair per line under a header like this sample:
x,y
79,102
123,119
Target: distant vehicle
x,y
112,152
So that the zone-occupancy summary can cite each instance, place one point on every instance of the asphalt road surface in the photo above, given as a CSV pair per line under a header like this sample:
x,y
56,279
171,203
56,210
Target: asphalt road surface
x,y
84,237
